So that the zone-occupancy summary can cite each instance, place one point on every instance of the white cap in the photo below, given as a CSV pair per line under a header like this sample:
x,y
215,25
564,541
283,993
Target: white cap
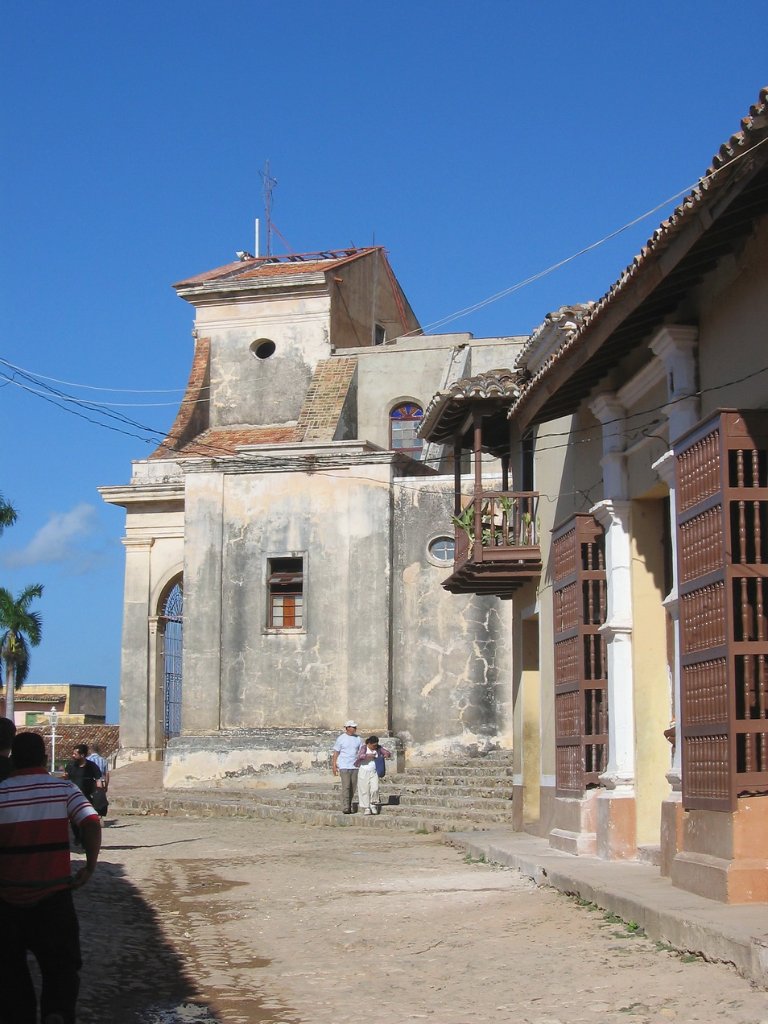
x,y
350,725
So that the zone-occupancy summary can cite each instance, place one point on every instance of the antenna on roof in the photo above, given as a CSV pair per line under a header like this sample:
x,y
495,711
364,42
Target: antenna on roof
x,y
269,184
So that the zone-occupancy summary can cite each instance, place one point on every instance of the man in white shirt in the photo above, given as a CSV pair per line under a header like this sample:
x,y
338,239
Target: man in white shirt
x,y
345,751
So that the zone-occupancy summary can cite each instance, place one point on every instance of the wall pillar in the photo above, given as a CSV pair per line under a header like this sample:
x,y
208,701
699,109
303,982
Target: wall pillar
x,y
135,686
616,808
203,566
676,346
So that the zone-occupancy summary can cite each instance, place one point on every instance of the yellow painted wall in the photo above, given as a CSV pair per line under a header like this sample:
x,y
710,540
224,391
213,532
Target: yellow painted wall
x,y
652,698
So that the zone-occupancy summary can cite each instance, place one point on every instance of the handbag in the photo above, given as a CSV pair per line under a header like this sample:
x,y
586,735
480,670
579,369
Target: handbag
x,y
381,767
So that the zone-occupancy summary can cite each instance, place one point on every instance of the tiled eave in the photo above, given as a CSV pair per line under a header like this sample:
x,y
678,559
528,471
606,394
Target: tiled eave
x,y
710,222
448,412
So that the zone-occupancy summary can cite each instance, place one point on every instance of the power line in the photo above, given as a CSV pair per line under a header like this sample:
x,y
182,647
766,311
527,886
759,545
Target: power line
x,y
688,190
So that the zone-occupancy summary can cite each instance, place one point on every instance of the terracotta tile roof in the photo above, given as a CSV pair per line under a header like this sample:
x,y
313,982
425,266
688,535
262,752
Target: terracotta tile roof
x,y
226,440
449,406
727,168
553,332
446,414
39,698
266,267
325,398
69,736
192,417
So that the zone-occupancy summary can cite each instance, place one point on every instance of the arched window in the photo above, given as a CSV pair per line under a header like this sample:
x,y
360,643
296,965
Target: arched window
x,y
404,421
171,623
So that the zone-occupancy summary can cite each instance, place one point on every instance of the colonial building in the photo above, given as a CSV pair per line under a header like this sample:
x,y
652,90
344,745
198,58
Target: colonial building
x,y
633,534
286,543
74,703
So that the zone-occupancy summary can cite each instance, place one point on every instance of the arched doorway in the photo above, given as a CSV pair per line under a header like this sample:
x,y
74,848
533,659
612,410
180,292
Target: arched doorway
x,y
170,628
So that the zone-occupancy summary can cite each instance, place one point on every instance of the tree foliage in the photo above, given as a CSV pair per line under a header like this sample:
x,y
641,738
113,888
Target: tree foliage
x,y
20,629
7,514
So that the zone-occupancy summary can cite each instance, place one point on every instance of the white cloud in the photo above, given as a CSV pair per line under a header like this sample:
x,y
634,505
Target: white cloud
x,y
60,540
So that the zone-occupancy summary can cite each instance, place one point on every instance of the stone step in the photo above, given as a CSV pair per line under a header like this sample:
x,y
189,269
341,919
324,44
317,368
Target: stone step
x,y
460,796
454,771
404,786
439,791
202,805
329,800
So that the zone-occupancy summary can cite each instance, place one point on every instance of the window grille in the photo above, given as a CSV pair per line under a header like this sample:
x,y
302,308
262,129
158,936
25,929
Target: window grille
x,y
581,697
722,538
171,624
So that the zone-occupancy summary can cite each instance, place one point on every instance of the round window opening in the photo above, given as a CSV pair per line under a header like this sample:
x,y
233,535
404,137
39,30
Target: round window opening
x,y
263,348
441,550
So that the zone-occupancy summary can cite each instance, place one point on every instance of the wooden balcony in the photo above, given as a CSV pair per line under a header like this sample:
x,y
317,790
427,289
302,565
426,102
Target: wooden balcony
x,y
497,545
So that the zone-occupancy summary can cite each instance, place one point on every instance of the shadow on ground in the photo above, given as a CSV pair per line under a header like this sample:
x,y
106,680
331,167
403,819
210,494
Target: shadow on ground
x,y
148,951
131,973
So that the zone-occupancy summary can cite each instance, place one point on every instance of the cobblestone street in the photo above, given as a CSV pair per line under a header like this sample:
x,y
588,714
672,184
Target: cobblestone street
x,y
240,921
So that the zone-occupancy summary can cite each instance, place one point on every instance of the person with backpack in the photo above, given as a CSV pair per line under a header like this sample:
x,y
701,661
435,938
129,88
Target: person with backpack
x,y
370,764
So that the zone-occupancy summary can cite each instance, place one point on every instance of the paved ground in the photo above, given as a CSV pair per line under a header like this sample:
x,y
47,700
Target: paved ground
x,y
242,921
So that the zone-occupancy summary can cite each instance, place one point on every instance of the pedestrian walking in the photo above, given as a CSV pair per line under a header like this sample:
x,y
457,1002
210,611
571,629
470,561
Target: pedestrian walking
x,y
370,762
99,798
345,751
37,913
83,773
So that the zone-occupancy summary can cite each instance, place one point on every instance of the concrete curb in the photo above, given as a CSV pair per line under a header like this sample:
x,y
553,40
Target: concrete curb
x,y
636,892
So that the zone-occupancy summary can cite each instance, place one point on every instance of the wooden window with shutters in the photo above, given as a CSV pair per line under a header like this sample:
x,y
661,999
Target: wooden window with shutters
x,y
722,540
285,583
581,697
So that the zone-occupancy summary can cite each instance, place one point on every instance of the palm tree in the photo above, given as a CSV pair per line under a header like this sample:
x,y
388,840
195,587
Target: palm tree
x,y
20,629
7,514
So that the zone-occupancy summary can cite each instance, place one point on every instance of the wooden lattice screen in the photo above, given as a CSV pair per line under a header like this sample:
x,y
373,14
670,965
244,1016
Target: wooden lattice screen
x,y
581,698
722,541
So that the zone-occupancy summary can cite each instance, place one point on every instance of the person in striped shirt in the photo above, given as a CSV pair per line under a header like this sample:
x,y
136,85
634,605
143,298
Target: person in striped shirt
x,y
37,913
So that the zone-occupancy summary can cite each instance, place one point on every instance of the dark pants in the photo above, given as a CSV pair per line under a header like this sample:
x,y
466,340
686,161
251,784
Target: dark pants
x,y
348,787
49,930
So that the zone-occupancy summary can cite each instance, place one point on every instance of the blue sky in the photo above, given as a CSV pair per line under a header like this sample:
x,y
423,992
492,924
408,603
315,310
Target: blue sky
x,y
479,142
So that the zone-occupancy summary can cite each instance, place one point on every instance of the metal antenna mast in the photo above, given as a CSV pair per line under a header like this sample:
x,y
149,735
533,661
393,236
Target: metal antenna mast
x,y
269,185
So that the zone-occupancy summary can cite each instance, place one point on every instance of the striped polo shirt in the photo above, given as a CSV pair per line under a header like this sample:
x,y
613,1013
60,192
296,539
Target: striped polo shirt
x,y
35,811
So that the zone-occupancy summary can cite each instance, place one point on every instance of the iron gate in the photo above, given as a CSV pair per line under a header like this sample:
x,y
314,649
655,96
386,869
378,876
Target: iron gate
x,y
172,624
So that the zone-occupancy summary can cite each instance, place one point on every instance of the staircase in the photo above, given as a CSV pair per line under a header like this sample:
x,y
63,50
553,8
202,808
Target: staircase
x,y
475,793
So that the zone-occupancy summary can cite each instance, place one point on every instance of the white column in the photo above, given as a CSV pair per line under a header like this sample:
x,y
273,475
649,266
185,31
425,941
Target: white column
x,y
614,516
676,346
612,415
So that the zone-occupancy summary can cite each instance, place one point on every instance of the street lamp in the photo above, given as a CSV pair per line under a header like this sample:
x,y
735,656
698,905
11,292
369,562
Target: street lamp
x,y
53,714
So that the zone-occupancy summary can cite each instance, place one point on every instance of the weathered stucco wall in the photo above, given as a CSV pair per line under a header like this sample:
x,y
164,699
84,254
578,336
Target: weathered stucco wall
x,y
363,296
451,654
335,665
246,389
733,329
416,368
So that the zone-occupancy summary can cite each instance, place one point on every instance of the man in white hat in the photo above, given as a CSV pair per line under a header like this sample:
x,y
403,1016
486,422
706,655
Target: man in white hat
x,y
344,755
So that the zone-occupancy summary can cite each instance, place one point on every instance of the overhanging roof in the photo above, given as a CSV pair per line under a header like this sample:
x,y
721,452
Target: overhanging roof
x,y
448,412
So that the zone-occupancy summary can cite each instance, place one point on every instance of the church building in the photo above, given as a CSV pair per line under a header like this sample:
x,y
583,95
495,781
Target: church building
x,y
287,542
